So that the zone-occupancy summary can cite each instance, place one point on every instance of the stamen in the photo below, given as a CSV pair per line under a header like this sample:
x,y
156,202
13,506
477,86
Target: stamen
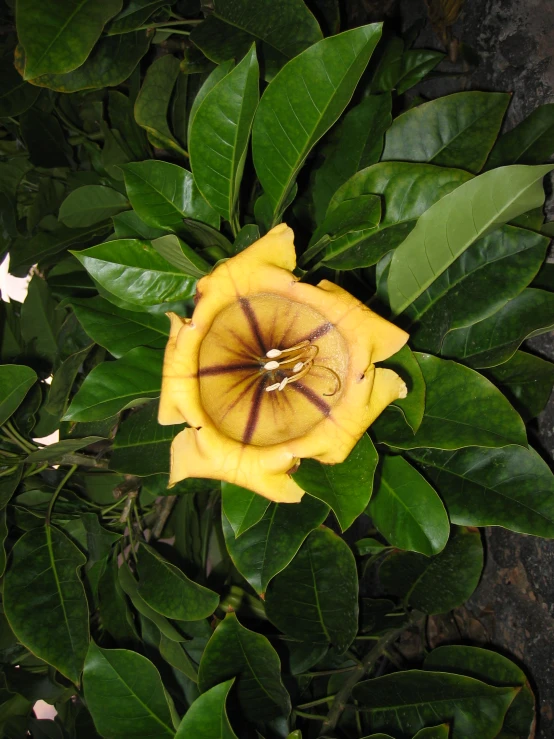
x,y
297,367
275,386
272,353
283,383
273,365
338,383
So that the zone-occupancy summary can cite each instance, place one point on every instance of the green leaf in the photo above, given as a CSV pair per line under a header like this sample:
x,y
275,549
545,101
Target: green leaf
x,y
16,95
3,537
119,330
408,190
234,651
123,689
152,104
242,508
219,135
134,15
405,364
180,255
40,321
508,258
495,339
511,487
267,547
207,716
526,381
163,194
54,452
530,142
168,591
302,102
128,225
462,409
440,583
15,382
132,270
406,701
175,655
91,204
453,131
231,28
407,511
246,237
115,615
450,226
345,487
8,485
142,445
44,599
315,598
221,71
59,38
113,386
434,732
111,62
415,65
356,143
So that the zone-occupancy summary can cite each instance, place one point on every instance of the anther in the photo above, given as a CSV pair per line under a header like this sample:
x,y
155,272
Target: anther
x,y
273,365
272,353
297,367
282,384
275,386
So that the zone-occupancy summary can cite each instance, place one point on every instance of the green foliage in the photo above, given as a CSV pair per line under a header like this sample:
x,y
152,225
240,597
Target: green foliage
x,y
141,143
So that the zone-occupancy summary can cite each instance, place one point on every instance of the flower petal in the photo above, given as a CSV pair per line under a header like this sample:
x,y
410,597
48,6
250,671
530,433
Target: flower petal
x,y
207,453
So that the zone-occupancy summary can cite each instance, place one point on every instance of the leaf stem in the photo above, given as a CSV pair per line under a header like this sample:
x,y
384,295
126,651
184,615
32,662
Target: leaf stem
x,y
324,673
30,472
9,427
169,23
314,716
167,507
317,702
57,492
174,30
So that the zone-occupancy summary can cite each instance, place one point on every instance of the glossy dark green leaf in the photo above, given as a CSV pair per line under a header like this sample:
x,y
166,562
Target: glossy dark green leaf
x,y
450,226
207,716
530,142
152,104
170,592
58,38
3,536
44,599
462,409
507,258
356,143
55,452
511,487
453,131
495,339
267,547
141,446
113,386
405,364
16,95
15,382
124,689
345,487
234,651
440,583
115,614
119,330
134,15
302,102
215,76
415,65
44,139
219,135
180,255
315,598
133,271
112,61
60,388
40,321
91,204
406,510
128,225
246,237
408,190
526,381
176,656
242,508
406,701
163,194
8,485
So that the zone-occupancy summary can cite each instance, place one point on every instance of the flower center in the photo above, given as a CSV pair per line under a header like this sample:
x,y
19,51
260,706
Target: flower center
x,y
270,369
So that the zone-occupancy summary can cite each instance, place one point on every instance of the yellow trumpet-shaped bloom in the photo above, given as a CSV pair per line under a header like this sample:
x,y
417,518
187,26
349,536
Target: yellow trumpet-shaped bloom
x,y
270,370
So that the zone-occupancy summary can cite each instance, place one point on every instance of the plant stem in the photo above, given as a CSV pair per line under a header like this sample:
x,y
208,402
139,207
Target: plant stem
x,y
167,507
168,23
57,492
9,471
314,716
30,472
174,30
83,461
324,673
8,427
317,702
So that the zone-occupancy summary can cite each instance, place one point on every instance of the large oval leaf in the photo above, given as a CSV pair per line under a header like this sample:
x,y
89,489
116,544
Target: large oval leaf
x,y
124,689
58,37
16,95
450,226
406,509
163,194
219,135
15,381
345,487
242,508
526,380
133,271
462,409
207,717
267,547
412,407
91,204
454,131
315,598
530,142
511,487
45,601
113,386
302,102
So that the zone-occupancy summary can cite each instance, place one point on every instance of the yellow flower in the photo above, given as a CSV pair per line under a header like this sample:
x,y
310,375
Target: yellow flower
x,y
270,370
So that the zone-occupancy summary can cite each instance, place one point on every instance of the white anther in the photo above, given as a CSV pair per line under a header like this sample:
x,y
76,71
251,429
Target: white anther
x,y
272,353
297,367
283,383
273,365
275,386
